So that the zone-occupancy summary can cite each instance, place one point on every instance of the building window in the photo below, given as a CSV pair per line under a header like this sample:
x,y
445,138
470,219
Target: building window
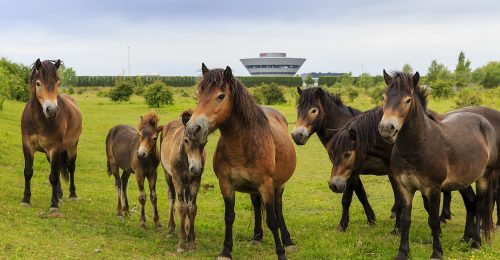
x,y
272,66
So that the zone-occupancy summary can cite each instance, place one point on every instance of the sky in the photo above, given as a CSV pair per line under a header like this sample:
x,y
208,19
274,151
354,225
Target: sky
x,y
173,37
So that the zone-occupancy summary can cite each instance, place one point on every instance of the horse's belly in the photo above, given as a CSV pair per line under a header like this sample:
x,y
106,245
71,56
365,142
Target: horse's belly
x,y
242,180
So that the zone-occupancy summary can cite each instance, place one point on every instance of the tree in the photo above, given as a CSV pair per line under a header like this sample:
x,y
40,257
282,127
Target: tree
x,y
14,80
442,88
309,80
462,71
157,94
407,69
488,75
269,94
68,77
437,71
122,90
365,81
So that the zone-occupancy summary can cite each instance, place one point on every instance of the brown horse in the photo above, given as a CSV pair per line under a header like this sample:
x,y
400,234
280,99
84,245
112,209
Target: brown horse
x,y
135,152
254,154
51,124
431,155
183,162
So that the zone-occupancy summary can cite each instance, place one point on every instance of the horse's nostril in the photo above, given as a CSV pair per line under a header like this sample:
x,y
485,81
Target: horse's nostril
x,y
392,127
198,128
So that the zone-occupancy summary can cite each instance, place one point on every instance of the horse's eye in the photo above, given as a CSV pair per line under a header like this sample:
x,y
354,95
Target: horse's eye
x,y
221,96
314,110
347,155
155,137
37,84
186,141
408,101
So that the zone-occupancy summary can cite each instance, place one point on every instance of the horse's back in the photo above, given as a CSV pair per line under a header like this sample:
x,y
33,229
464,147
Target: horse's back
x,y
121,142
171,137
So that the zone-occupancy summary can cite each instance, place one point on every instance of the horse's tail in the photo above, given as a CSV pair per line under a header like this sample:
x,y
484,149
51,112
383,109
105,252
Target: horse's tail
x,y
487,226
109,168
64,166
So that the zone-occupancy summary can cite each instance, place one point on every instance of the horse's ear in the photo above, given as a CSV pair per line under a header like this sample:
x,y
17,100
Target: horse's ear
x,y
159,128
228,74
319,93
352,135
38,64
416,78
299,91
204,69
57,64
186,115
387,78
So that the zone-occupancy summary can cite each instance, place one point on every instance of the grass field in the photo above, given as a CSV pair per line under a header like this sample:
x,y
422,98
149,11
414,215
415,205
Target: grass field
x,y
90,228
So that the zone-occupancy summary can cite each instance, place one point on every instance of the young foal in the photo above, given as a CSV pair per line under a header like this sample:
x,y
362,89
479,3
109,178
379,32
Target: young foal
x,y
50,124
135,152
431,155
183,162
254,153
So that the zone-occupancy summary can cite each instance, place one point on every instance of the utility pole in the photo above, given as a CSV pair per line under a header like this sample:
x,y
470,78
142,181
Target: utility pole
x,y
362,70
128,59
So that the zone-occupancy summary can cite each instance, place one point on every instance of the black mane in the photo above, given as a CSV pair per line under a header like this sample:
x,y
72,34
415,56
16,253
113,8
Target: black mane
x,y
47,73
365,126
309,96
404,81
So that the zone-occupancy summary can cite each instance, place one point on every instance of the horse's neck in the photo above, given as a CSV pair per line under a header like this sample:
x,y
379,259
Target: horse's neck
x,y
335,117
413,135
36,111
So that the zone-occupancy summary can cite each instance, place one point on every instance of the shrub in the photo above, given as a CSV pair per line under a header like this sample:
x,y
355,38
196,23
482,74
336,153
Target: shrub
x,y
442,88
375,93
269,94
122,91
71,90
157,94
139,86
351,92
468,97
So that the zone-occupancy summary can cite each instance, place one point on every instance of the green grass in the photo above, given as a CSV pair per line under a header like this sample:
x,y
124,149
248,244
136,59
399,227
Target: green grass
x,y
90,228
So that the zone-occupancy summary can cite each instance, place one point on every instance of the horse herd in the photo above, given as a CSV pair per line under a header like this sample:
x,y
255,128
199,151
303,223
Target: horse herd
x,y
417,148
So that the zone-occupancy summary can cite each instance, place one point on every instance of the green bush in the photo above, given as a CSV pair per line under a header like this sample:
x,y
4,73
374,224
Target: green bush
x,y
468,97
157,94
442,88
122,91
14,80
269,94
71,90
139,86
351,92
376,93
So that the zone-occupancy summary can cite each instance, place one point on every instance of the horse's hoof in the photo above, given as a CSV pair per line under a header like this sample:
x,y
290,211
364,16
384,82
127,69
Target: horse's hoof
x,y
341,228
401,257
476,245
436,256
254,242
72,198
371,222
224,258
291,248
120,218
55,213
395,231
25,205
142,226
192,247
180,250
282,257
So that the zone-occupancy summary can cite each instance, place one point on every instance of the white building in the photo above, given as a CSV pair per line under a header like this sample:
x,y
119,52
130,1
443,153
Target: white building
x,y
273,64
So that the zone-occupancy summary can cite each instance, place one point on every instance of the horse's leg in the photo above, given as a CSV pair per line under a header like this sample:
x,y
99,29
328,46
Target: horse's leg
x,y
396,205
125,176
434,199
152,176
228,195
360,192
480,204
71,169
257,230
118,186
171,200
266,191
446,212
55,164
183,210
468,196
59,190
406,196
346,203
142,196
497,172
28,173
192,211
285,235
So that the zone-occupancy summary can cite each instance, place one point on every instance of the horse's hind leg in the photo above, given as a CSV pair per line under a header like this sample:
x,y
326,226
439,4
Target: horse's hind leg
x,y
285,235
171,200
154,199
360,192
468,196
71,160
446,212
125,176
497,199
267,192
257,209
55,164
116,173
28,173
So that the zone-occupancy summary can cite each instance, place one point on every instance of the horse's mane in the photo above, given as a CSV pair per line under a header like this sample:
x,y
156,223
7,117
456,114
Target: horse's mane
x,y
365,126
310,96
47,72
244,106
150,118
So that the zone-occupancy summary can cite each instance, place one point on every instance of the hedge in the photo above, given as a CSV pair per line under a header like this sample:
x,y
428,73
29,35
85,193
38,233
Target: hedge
x,y
183,81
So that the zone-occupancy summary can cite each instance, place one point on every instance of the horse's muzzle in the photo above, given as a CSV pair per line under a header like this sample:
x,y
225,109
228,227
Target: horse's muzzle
x,y
337,185
300,135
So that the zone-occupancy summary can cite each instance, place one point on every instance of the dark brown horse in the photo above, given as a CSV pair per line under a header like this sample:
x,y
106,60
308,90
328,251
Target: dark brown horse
x,y
183,162
431,155
254,154
51,124
135,152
